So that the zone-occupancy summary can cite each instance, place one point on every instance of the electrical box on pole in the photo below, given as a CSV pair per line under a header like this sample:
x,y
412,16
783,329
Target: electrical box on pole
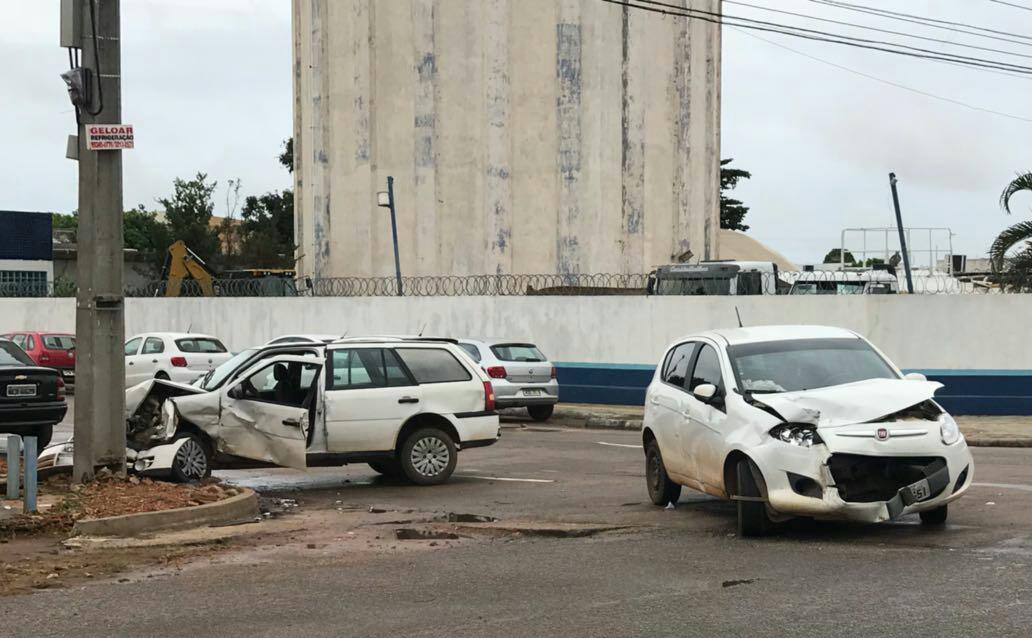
x,y
71,24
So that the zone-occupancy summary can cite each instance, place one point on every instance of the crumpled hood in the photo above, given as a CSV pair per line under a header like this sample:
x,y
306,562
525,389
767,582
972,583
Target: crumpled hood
x,y
849,403
136,395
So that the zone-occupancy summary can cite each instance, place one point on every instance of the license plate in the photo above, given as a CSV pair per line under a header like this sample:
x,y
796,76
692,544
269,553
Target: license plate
x,y
23,390
532,393
920,491
68,373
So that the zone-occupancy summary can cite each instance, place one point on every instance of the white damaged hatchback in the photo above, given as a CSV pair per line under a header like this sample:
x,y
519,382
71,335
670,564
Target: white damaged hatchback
x,y
800,421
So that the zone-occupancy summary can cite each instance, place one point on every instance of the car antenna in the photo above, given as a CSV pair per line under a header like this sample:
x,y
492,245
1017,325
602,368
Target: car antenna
x,y
189,327
739,315
421,330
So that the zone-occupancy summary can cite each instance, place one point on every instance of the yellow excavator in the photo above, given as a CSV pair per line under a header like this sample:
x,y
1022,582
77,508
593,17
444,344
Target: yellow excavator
x,y
181,263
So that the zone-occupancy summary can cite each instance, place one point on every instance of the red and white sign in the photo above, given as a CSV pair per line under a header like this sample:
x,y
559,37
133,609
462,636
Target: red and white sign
x,y
109,137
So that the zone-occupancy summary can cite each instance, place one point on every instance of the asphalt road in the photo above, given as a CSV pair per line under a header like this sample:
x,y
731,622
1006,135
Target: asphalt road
x,y
678,571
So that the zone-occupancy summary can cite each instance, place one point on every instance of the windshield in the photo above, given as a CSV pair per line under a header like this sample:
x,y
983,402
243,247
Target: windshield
x,y
699,285
517,352
215,378
12,355
805,364
829,288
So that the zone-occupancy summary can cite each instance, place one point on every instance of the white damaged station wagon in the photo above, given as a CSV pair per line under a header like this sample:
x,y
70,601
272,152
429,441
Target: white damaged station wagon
x,y
405,407
800,421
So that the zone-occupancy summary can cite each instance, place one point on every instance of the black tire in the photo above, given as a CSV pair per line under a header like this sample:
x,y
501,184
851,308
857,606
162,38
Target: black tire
x,y
387,467
935,517
541,412
192,462
752,515
662,490
428,456
44,434
161,375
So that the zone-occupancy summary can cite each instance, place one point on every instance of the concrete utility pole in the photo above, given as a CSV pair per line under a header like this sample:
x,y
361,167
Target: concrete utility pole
x,y
902,233
99,311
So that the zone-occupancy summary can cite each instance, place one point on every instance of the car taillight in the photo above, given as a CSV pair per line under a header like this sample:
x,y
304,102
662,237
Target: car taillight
x,y
489,401
553,372
496,372
179,362
61,391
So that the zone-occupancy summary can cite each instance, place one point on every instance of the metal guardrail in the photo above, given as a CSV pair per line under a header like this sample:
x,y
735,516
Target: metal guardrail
x,y
748,283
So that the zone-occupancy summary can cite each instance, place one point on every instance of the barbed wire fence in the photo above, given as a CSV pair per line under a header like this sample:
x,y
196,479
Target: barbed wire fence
x,y
596,284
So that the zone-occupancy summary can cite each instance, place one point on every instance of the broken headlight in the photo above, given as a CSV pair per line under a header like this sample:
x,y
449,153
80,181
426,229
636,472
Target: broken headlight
x,y
948,429
797,434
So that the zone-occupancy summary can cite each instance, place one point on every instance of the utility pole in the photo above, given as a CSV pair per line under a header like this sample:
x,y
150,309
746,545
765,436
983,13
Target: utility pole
x,y
99,432
902,234
386,200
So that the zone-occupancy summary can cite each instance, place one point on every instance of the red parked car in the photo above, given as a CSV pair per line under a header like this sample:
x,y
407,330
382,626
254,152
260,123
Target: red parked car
x,y
49,350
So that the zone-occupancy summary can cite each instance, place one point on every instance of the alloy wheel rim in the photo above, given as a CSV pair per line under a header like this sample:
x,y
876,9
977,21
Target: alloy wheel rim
x,y
430,456
191,460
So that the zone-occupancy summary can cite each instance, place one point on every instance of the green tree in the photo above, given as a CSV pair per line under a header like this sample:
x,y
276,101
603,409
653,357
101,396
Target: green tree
x,y
268,230
60,221
834,256
1015,272
188,213
143,231
287,156
732,211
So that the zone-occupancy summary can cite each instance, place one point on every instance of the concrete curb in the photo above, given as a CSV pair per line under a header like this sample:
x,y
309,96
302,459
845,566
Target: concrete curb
x,y
611,423
234,509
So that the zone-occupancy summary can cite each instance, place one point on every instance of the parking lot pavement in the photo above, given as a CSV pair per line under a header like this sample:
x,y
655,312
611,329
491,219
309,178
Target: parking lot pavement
x,y
679,571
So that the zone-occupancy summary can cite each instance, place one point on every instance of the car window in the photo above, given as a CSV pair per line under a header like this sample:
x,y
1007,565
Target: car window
x,y
676,369
471,350
517,352
58,342
30,343
221,373
204,345
707,368
19,340
357,368
12,355
133,346
433,365
396,375
282,383
153,345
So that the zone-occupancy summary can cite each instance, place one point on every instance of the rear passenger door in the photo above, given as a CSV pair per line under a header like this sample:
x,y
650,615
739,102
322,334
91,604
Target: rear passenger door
x,y
446,385
369,396
668,408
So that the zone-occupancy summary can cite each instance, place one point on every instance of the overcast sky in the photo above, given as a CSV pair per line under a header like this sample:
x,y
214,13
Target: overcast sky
x,y
207,83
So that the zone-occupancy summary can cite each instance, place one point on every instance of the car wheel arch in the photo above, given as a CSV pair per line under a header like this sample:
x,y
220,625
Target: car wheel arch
x,y
423,420
731,476
647,436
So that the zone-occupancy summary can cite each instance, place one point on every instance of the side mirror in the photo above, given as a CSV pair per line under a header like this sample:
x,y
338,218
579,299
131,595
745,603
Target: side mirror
x,y
915,376
236,392
705,392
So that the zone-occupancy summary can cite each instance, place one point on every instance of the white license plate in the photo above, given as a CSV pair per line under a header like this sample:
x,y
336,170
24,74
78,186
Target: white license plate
x,y
68,373
532,393
23,390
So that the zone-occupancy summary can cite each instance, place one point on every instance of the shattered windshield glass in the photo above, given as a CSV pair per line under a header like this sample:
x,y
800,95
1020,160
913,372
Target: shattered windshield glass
x,y
804,364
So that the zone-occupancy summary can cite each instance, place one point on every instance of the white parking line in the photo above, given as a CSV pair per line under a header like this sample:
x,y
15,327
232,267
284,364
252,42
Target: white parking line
x,y
1005,486
636,447
503,478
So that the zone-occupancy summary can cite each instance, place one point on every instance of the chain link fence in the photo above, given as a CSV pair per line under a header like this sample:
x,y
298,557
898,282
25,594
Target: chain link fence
x,y
740,284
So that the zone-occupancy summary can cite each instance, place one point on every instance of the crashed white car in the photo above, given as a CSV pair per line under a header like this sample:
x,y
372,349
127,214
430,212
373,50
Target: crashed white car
x,y
404,407
800,421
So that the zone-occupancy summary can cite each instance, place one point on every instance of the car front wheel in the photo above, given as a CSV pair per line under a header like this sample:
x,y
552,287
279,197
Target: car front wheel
x,y
428,456
386,467
192,462
662,490
936,516
752,505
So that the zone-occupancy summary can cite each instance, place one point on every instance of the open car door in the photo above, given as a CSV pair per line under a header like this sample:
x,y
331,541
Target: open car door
x,y
266,410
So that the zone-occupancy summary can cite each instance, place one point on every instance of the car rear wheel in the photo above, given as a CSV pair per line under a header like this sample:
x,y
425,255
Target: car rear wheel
x,y
752,505
662,490
541,412
43,434
161,375
192,462
936,516
428,456
386,467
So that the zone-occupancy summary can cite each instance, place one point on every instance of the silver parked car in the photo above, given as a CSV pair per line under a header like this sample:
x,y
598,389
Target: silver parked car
x,y
522,377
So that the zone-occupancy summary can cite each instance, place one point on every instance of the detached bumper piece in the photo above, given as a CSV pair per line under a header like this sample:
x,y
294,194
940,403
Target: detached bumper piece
x,y
898,481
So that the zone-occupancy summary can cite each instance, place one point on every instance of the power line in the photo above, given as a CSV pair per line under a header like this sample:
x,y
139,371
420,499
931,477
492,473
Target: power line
x,y
870,28
1011,4
927,22
821,36
888,82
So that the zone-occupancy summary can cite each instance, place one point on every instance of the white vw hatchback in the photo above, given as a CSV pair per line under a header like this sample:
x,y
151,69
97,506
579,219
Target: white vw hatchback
x,y
800,421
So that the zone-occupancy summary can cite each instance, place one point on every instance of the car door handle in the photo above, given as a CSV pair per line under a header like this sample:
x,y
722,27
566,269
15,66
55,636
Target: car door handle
x,y
408,400
153,360
654,401
292,422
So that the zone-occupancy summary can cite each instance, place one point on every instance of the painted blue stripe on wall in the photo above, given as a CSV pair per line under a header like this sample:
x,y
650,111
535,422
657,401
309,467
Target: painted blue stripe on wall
x,y
986,392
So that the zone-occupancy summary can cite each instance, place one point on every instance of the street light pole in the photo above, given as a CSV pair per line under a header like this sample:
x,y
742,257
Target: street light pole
x,y
386,200
902,234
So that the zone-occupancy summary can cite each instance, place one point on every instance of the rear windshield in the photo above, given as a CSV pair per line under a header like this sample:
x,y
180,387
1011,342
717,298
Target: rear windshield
x,y
12,355
58,342
517,352
200,345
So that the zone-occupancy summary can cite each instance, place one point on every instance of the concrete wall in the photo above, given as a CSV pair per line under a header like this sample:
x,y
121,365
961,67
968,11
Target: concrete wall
x,y
525,136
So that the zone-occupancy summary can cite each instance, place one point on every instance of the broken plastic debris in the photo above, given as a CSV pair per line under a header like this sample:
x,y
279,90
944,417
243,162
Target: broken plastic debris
x,y
990,503
670,506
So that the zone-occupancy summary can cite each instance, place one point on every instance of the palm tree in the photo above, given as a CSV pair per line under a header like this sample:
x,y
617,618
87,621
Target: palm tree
x,y
1015,272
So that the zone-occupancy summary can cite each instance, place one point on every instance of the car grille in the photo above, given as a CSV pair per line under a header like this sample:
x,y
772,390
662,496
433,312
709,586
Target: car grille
x,y
869,479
